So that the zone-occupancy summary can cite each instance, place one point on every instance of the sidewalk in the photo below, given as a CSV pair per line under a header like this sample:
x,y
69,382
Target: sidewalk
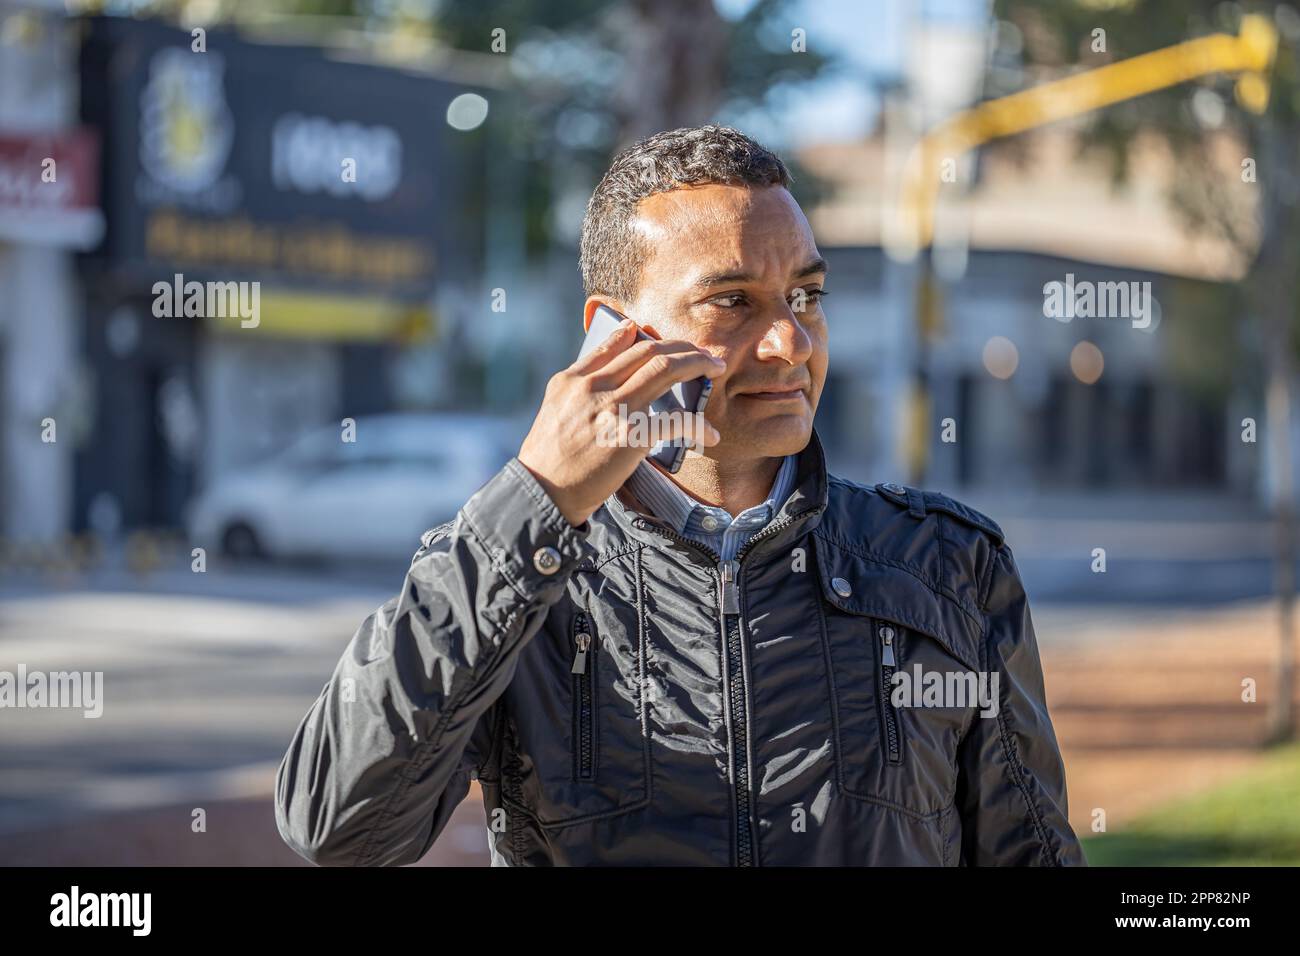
x,y
1147,705
240,832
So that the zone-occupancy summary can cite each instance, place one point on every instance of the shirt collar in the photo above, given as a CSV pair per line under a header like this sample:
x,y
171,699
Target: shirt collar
x,y
670,502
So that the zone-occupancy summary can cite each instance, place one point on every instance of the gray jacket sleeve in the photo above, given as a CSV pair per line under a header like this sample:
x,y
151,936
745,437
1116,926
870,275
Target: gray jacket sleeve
x,y
385,753
1011,779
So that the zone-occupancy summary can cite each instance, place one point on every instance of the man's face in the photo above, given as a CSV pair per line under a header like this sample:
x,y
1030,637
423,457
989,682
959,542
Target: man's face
x,y
736,272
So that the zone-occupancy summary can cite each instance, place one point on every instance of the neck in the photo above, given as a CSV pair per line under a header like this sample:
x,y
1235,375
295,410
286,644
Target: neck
x,y
732,485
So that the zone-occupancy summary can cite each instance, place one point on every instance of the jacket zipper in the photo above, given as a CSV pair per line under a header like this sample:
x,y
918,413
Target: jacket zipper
x,y
730,604
888,713
582,697
729,601
730,575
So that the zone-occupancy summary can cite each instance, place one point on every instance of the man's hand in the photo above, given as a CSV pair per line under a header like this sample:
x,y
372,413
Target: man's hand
x,y
568,449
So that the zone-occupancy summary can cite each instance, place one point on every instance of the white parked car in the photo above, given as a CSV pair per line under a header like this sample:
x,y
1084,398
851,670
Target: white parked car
x,y
372,498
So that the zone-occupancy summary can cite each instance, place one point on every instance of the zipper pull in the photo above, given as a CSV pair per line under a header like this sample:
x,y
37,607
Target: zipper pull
x,y
887,639
580,658
583,640
730,592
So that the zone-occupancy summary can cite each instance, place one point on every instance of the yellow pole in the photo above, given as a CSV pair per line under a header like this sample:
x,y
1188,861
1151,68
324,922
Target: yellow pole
x,y
1250,52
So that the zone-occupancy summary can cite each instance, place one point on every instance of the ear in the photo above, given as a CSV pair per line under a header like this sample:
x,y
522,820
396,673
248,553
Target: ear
x,y
593,303
651,331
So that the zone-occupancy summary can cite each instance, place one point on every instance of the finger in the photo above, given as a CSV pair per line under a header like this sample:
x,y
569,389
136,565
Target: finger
x,y
620,368
662,372
618,341
619,373
692,426
642,429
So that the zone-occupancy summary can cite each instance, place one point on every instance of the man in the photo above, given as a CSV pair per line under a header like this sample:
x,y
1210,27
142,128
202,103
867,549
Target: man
x,y
697,669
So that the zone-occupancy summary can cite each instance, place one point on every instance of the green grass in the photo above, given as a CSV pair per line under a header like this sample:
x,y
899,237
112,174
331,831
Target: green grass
x,y
1253,821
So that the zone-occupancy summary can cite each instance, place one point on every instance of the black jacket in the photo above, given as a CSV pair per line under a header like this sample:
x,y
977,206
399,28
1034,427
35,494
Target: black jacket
x,y
621,701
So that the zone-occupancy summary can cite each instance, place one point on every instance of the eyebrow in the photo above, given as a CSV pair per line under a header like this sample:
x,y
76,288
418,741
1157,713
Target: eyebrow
x,y
816,266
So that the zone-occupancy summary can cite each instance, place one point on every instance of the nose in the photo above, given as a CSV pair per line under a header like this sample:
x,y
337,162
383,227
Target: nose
x,y
786,339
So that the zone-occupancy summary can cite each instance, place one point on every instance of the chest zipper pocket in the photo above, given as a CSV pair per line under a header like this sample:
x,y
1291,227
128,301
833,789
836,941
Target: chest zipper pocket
x,y
887,664
584,704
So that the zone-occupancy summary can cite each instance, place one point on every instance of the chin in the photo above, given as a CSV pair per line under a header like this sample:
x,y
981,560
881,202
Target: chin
x,y
772,437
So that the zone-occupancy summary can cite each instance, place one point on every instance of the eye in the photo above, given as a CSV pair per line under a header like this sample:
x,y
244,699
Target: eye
x,y
728,301
810,295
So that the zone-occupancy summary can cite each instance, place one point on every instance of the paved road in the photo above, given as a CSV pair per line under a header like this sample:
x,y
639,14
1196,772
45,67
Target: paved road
x,y
193,688
202,692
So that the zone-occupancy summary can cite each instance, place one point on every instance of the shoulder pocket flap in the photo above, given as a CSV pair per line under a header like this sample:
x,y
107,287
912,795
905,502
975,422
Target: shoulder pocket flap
x,y
880,590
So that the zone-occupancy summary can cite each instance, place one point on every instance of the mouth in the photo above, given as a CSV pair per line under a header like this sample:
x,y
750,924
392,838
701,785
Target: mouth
x,y
776,395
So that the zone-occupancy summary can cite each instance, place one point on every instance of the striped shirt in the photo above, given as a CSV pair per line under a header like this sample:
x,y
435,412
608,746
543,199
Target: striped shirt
x,y
708,525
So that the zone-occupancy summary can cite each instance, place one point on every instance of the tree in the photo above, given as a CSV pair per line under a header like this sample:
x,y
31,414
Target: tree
x,y
596,76
1189,119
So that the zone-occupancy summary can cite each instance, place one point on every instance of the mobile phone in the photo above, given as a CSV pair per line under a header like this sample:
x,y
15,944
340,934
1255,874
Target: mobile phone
x,y
684,397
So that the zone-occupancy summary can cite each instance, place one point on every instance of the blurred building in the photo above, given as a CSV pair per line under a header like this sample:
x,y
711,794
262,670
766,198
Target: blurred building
x,y
319,187
1038,402
324,199
1019,386
48,209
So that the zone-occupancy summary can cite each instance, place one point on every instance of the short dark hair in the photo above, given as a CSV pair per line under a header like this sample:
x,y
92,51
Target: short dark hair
x,y
611,254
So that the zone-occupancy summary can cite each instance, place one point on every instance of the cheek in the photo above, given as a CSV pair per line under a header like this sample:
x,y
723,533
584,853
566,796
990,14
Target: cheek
x,y
818,362
819,333
817,365
718,348
718,400
820,357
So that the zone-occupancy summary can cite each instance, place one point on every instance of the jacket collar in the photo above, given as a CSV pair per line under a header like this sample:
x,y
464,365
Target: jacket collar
x,y
798,514
679,508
